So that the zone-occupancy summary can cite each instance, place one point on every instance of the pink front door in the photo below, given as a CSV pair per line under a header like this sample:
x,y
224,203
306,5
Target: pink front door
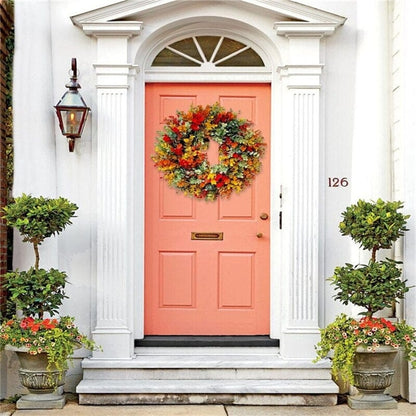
x,y
204,287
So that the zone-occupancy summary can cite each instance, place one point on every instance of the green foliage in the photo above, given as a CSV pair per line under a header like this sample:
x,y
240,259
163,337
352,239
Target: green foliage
x,y
374,225
374,286
35,292
8,82
38,218
13,399
345,334
8,62
57,338
343,348
38,291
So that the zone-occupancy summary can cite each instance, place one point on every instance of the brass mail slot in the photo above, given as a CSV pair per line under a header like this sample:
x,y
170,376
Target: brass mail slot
x,y
206,236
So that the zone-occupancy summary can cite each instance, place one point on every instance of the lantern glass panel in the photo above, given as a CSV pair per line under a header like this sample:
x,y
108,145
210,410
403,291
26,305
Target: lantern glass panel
x,y
72,121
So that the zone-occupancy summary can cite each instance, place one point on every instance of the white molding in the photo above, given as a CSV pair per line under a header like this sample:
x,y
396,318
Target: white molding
x,y
287,9
301,76
305,28
118,10
299,11
209,76
128,29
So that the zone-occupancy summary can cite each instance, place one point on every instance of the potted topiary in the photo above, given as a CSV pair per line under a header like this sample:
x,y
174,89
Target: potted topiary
x,y
42,342
363,350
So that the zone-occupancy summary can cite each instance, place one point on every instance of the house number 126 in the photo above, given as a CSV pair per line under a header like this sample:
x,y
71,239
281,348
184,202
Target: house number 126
x,y
338,182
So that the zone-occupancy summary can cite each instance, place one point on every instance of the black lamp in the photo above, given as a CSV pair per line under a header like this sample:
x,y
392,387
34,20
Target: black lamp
x,y
71,110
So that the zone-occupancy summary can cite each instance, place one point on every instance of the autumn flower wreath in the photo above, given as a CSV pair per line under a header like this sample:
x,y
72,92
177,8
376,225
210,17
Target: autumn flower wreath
x,y
181,152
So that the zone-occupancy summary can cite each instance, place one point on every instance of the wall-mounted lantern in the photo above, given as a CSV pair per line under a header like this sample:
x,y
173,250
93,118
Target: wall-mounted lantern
x,y
71,110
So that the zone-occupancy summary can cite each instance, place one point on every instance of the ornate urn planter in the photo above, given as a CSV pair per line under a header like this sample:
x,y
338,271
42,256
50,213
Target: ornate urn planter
x,y
41,382
373,374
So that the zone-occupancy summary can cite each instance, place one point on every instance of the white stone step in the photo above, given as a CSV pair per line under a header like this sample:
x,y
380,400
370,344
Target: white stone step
x,y
273,351
206,366
204,372
207,386
205,361
183,375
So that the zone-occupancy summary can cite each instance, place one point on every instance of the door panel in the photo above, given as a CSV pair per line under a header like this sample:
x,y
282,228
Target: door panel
x,y
204,287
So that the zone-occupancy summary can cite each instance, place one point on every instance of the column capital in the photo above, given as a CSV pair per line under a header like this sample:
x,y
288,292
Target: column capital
x,y
123,28
301,76
115,75
305,29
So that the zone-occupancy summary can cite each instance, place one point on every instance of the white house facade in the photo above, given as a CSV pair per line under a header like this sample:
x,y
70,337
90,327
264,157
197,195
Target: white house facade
x,y
339,91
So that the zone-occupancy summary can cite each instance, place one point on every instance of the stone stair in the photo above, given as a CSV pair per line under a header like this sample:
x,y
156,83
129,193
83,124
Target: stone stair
x,y
207,375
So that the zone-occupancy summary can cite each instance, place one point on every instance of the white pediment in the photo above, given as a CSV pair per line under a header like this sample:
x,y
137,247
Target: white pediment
x,y
125,17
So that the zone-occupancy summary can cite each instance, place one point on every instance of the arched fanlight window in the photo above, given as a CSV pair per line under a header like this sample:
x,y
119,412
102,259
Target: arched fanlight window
x,y
200,51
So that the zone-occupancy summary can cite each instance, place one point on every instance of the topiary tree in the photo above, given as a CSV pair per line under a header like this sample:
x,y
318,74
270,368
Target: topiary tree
x,y
373,286
378,284
37,291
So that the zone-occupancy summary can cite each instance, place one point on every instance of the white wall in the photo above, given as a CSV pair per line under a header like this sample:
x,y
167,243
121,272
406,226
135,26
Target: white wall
x,y
46,166
403,127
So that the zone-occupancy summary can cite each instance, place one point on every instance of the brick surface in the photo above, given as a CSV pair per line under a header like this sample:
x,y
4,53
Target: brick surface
x,y
6,23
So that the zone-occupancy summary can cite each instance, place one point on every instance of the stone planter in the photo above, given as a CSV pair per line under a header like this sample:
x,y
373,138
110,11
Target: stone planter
x,y
373,374
41,382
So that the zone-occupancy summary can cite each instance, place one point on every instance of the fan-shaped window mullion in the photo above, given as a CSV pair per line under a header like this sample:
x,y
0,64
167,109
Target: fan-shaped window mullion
x,y
184,55
231,55
200,50
204,51
217,48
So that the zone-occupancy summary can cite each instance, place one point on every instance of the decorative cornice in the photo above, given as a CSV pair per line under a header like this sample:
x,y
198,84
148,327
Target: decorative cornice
x,y
298,11
123,28
291,12
119,10
305,29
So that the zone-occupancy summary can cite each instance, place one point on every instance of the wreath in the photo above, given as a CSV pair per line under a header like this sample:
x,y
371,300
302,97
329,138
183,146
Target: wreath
x,y
181,152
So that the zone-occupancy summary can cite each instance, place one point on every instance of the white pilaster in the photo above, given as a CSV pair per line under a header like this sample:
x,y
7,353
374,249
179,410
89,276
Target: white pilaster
x,y
301,212
114,320
113,331
301,215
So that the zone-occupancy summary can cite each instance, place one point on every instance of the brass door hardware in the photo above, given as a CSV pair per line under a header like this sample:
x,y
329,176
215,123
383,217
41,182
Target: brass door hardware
x,y
207,236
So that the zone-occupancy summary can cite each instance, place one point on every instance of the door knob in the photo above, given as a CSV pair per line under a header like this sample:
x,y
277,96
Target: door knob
x,y
264,216
259,235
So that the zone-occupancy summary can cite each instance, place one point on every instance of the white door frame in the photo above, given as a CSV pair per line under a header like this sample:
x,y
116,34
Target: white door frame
x,y
224,75
296,120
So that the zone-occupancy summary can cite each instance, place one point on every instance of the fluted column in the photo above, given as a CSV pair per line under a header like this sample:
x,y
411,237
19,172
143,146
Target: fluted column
x,y
113,330
114,144
300,311
301,278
